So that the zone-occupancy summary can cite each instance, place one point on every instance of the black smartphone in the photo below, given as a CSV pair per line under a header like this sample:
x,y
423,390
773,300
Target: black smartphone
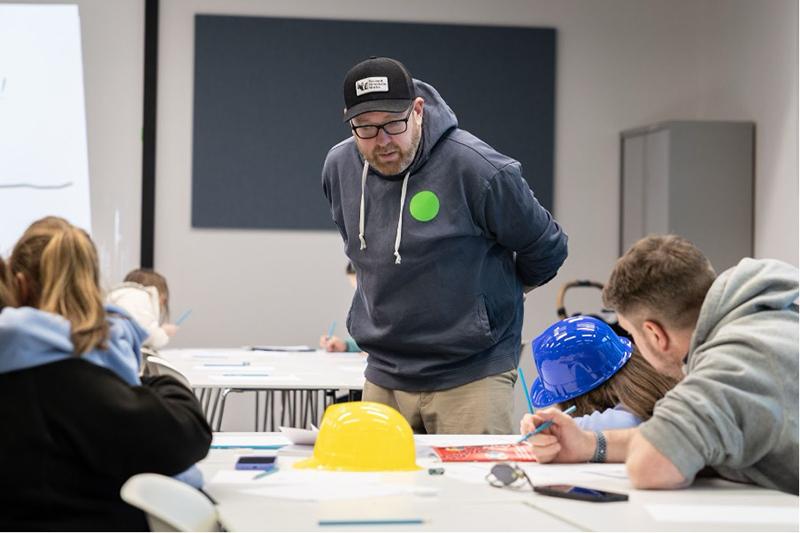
x,y
255,462
574,492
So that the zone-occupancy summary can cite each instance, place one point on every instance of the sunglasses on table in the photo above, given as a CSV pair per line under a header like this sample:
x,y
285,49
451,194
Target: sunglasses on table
x,y
508,475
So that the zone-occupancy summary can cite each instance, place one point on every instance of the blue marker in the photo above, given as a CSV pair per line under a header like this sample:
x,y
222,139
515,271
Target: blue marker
x,y
183,317
331,330
544,426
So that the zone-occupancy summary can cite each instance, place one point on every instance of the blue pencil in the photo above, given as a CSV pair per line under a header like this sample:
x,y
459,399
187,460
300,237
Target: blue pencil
x,y
525,389
544,426
183,317
332,329
357,522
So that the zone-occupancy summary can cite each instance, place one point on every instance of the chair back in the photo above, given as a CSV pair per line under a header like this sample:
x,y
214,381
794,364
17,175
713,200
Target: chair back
x,y
170,505
162,367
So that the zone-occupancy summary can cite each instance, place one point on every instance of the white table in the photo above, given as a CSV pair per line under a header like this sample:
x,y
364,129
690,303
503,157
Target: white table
x,y
462,500
305,379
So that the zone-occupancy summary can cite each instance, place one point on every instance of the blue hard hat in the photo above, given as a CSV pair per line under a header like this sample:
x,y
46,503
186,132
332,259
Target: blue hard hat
x,y
574,356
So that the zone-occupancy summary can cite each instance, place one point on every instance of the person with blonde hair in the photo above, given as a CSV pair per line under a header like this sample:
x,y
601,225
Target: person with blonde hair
x,y
581,361
80,420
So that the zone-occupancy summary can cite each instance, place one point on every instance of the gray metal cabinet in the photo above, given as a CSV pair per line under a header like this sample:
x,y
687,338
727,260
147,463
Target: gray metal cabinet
x,y
691,178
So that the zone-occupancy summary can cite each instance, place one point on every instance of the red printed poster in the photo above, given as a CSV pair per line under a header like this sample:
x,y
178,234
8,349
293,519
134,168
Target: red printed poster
x,y
491,453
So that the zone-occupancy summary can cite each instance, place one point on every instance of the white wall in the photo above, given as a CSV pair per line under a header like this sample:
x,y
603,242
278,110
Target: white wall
x,y
748,67
620,64
112,35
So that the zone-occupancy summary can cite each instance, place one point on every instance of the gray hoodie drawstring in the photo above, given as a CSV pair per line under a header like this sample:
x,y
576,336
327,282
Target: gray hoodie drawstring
x,y
361,218
361,213
400,220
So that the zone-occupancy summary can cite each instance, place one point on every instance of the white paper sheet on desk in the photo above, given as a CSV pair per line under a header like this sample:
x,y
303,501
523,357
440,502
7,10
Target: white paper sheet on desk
x,y
544,474
746,514
247,440
235,477
314,485
463,440
297,348
240,377
306,437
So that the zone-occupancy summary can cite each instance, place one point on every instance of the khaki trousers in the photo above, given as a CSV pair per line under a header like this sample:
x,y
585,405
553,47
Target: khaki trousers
x,y
484,406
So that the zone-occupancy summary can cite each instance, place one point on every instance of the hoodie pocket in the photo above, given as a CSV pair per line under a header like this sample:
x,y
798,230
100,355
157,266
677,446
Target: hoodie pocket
x,y
442,327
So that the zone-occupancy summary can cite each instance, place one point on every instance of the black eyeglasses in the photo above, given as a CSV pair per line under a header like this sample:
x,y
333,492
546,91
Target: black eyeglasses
x,y
393,127
508,475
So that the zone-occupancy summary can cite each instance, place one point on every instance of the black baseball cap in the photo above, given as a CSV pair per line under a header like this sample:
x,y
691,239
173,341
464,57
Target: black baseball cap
x,y
377,84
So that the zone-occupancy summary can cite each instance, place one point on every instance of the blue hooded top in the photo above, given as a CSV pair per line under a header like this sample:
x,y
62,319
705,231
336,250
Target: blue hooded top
x,y
440,288
30,337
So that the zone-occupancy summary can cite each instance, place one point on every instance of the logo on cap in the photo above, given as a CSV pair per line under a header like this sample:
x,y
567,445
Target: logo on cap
x,y
375,84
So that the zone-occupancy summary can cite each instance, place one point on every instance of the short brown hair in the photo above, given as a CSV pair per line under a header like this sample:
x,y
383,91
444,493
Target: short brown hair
x,y
637,386
664,275
151,278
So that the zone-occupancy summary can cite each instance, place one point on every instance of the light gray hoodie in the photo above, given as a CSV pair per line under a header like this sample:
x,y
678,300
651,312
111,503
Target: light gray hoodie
x,y
736,409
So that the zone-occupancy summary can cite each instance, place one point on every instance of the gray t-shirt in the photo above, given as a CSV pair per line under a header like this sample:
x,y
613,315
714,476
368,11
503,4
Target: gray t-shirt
x,y
736,409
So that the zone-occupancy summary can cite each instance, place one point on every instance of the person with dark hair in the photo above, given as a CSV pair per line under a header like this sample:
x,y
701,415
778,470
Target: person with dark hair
x,y
446,236
581,361
731,340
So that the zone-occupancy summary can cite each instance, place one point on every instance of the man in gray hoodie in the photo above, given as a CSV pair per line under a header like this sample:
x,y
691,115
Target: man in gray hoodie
x,y
445,236
732,339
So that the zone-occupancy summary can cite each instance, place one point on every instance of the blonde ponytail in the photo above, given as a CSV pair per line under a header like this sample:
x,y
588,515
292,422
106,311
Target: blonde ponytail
x,y
59,262
7,297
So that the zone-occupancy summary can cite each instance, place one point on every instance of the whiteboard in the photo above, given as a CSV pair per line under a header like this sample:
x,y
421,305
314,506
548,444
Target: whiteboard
x,y
44,168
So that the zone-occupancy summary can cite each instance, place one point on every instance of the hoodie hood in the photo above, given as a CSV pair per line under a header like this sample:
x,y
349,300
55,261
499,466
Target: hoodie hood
x,y
30,338
751,287
437,121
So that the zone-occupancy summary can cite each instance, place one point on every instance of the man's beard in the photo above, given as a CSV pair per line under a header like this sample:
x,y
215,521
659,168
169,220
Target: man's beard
x,y
395,167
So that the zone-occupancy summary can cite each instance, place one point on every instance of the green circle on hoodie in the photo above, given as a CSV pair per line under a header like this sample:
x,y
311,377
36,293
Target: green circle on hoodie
x,y
424,206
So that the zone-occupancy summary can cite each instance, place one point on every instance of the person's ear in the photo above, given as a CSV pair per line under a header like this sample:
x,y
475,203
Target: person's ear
x,y
419,106
656,335
23,288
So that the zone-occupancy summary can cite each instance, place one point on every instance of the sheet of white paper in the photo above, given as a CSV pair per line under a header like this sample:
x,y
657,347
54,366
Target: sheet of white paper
x,y
353,368
747,514
227,477
315,485
464,440
300,436
247,440
239,377
297,348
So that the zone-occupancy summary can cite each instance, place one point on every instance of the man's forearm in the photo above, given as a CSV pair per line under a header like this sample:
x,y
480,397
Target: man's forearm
x,y
618,441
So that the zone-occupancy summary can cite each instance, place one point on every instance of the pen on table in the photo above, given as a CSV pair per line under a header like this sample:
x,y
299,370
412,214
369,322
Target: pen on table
x,y
183,317
266,472
525,389
358,522
544,426
331,330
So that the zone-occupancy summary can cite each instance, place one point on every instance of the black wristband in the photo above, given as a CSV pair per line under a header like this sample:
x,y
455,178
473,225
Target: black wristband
x,y
600,449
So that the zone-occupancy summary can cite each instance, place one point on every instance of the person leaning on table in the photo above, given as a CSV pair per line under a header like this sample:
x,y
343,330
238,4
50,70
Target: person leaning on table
x,y
733,340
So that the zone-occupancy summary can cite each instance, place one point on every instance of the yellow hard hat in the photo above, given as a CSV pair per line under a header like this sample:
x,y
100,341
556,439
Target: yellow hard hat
x,y
362,437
